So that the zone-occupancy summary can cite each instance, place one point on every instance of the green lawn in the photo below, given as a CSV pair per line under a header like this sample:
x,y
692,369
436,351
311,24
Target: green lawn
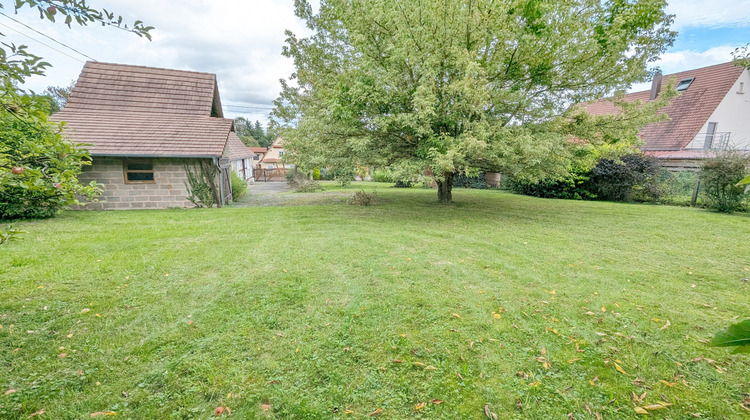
x,y
306,311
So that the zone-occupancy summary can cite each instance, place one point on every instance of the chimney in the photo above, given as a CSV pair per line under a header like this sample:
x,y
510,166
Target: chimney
x,y
655,86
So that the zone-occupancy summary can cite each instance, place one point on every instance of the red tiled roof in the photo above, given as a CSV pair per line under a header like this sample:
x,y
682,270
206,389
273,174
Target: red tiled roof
x,y
688,112
277,146
124,88
138,134
259,149
271,160
236,149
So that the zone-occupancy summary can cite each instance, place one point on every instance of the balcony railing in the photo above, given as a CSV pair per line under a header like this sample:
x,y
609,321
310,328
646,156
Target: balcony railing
x,y
711,141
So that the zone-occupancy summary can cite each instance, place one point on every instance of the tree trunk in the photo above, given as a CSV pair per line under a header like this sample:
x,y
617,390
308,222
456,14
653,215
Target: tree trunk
x,y
445,188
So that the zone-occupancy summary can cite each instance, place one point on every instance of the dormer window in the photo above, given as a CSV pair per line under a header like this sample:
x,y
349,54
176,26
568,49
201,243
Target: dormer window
x,y
684,84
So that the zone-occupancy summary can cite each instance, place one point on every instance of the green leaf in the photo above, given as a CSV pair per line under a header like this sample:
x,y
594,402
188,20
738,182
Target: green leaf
x,y
736,335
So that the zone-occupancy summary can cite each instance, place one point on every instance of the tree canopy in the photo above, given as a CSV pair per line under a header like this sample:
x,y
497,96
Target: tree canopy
x,y
253,134
465,85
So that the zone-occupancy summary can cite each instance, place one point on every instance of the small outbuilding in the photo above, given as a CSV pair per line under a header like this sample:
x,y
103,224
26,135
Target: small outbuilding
x,y
146,128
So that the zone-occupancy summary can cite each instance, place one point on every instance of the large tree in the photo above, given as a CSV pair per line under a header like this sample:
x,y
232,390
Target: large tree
x,y
442,87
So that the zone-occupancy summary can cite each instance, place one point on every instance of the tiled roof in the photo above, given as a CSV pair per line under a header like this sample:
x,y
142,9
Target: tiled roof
x,y
259,149
139,134
236,149
124,88
271,160
277,146
688,112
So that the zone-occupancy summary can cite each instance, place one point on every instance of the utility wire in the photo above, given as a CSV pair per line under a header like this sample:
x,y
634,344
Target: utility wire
x,y
47,36
248,107
46,45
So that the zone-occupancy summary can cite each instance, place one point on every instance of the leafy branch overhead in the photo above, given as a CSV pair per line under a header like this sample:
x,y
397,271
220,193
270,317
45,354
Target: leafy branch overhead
x,y
462,86
737,335
17,62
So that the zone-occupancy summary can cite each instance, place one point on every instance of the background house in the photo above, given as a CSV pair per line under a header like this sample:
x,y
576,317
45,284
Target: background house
x,y
712,113
271,167
143,126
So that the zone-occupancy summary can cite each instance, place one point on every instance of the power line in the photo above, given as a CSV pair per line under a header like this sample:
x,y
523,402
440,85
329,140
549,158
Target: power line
x,y
46,45
47,36
269,108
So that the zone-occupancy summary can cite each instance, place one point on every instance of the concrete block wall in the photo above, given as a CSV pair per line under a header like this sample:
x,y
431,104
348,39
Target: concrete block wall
x,y
167,191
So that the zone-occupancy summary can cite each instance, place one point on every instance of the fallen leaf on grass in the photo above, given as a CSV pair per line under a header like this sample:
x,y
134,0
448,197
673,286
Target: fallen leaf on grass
x,y
666,325
589,313
430,367
640,410
104,413
456,315
419,406
669,384
37,413
396,361
10,391
83,311
436,401
658,406
604,309
489,413
544,362
376,412
265,407
62,355
619,369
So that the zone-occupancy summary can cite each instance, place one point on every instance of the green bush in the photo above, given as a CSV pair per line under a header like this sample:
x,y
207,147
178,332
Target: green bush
x,y
403,184
571,186
239,186
382,176
316,174
719,178
476,182
38,167
634,178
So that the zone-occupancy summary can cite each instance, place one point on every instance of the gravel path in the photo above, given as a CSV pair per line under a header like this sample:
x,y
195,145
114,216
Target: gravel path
x,y
269,194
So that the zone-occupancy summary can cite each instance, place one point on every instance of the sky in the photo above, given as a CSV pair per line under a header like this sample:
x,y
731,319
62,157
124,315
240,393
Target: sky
x,y
241,42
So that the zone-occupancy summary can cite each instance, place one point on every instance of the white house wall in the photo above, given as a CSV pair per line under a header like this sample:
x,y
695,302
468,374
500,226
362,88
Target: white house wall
x,y
733,114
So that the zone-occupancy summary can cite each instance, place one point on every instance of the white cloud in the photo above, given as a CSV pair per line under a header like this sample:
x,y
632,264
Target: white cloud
x,y
710,14
240,41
